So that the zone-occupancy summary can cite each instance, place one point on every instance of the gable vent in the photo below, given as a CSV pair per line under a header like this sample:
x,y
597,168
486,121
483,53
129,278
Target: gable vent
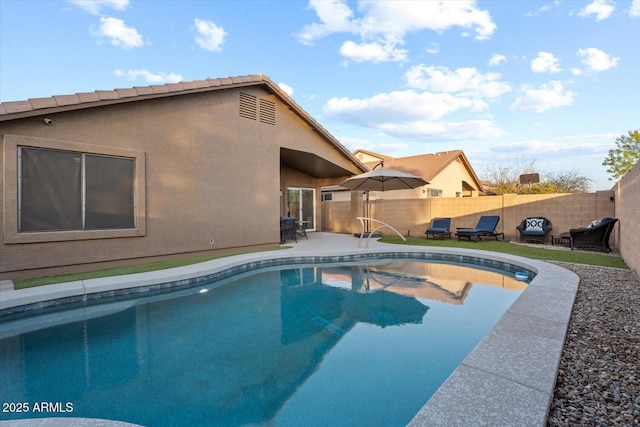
x,y
267,112
248,107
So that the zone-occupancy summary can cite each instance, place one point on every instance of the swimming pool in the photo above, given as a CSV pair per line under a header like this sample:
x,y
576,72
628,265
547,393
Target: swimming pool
x,y
377,341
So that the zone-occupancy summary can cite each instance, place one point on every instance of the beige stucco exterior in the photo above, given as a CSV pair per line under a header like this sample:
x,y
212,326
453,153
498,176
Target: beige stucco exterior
x,y
627,201
206,178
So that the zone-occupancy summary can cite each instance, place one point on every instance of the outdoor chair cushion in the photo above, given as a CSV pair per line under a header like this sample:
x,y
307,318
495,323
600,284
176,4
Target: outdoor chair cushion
x,y
534,229
534,225
486,227
440,227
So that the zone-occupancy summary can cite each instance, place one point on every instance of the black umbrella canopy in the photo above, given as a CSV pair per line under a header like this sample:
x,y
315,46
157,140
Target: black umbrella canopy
x,y
383,179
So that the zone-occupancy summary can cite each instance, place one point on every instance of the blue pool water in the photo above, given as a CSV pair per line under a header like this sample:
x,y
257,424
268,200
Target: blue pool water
x,y
336,344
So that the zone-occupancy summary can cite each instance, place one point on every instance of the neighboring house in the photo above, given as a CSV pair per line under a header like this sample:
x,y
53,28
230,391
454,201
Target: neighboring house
x,y
448,173
150,172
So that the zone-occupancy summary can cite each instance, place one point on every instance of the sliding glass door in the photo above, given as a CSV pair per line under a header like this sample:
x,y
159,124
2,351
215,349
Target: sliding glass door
x,y
301,203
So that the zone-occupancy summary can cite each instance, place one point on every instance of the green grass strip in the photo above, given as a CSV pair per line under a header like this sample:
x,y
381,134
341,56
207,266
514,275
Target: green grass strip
x,y
575,257
133,269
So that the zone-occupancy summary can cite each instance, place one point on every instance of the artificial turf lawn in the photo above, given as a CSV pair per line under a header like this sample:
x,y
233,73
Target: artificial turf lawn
x,y
526,251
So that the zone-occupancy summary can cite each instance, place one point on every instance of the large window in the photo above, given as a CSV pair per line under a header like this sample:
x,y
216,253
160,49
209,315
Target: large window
x,y
69,190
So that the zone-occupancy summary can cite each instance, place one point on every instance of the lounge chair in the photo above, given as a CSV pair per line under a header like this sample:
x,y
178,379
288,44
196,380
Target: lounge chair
x,y
288,229
534,229
486,227
594,236
440,227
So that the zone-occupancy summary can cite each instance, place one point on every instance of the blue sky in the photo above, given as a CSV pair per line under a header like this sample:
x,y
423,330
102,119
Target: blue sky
x,y
506,81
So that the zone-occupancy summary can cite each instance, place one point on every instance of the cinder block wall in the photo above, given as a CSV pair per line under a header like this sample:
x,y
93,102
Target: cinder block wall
x,y
413,216
627,194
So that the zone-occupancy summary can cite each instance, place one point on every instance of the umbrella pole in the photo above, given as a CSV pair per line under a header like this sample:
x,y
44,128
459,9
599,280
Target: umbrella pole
x,y
366,213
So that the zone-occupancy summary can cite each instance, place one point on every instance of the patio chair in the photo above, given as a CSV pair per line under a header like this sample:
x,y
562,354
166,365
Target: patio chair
x,y
288,229
594,236
439,227
534,229
486,227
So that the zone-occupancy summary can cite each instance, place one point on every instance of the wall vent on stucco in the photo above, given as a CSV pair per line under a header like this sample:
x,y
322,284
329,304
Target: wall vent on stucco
x,y
248,106
267,112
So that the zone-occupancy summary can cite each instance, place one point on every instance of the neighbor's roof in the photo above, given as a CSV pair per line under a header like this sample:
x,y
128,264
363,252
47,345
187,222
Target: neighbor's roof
x,y
426,166
62,103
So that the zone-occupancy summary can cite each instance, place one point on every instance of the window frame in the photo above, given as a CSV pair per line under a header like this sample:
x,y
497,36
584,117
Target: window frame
x,y
11,190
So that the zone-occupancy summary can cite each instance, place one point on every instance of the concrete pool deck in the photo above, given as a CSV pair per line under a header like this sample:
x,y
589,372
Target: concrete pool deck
x,y
507,379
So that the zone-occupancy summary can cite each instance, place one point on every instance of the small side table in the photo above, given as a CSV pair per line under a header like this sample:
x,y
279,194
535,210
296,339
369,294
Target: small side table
x,y
561,239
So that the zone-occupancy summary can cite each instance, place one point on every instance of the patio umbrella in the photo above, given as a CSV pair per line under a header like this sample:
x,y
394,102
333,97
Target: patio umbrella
x,y
382,179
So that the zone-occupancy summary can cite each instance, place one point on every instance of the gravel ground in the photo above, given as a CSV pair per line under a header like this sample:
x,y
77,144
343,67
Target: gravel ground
x,y
599,375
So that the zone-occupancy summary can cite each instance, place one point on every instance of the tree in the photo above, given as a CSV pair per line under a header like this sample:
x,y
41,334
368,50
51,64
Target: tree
x,y
568,182
505,179
621,159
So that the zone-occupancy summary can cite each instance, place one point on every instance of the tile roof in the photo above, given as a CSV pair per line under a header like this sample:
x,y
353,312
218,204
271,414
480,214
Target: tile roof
x,y
37,106
40,106
426,166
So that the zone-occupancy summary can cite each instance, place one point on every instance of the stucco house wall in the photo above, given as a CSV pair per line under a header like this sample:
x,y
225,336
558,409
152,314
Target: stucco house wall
x,y
627,202
450,180
207,178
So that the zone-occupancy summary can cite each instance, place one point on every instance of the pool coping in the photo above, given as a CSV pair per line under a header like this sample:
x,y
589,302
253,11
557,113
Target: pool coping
x,y
508,377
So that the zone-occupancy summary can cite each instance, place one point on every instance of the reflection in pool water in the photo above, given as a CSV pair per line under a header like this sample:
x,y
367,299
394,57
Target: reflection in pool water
x,y
315,345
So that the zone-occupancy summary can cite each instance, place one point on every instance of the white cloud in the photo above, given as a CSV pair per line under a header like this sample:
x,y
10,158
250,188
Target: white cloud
x,y
286,88
372,52
575,145
210,35
403,16
95,6
597,60
547,7
545,62
119,34
398,106
148,76
413,115
465,81
335,17
354,143
496,59
634,10
545,97
433,48
602,9
383,24
444,131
